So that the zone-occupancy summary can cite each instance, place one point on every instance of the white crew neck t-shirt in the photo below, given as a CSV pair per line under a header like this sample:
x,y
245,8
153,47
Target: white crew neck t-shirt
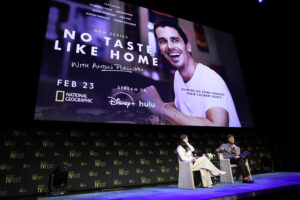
x,y
205,90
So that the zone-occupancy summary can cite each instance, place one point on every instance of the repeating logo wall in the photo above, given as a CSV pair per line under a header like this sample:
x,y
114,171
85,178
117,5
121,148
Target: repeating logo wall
x,y
98,159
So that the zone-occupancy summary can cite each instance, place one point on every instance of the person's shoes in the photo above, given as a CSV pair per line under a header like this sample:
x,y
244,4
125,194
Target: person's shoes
x,y
222,172
210,186
248,181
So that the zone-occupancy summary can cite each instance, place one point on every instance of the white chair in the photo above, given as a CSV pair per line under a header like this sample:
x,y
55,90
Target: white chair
x,y
226,166
185,176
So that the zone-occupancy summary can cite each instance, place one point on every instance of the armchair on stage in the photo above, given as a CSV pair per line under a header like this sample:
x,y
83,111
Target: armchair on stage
x,y
186,177
226,166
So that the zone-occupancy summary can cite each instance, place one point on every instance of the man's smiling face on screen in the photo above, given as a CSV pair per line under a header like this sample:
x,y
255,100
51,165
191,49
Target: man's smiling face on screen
x,y
173,47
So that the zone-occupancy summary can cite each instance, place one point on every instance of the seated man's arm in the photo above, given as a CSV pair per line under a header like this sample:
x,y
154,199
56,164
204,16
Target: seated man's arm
x,y
238,151
220,149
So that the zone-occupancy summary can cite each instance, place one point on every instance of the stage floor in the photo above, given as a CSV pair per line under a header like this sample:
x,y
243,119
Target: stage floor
x,y
264,184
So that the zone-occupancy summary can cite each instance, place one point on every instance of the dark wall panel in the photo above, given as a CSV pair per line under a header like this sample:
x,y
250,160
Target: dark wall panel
x,y
106,158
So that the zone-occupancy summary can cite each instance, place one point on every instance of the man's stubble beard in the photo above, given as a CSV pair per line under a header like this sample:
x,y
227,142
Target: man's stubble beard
x,y
180,68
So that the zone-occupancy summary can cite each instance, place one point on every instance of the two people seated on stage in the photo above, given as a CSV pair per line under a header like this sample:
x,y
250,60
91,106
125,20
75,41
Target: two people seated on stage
x,y
207,169
232,151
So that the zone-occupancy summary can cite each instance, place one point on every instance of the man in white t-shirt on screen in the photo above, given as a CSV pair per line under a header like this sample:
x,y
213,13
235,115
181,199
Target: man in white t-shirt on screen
x,y
201,95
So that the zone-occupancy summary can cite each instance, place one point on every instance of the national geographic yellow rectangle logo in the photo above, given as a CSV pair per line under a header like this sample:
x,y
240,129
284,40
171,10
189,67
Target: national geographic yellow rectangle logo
x,y
60,96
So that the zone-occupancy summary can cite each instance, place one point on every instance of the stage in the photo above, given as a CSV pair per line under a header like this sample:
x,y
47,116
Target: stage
x,y
265,184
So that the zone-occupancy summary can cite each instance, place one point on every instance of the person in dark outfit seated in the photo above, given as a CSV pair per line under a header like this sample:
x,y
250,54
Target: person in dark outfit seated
x,y
232,151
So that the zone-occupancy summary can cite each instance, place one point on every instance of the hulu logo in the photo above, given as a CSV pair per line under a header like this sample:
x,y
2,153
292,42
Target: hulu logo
x,y
146,105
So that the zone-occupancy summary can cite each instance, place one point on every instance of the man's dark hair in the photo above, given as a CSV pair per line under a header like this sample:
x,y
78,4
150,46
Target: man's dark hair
x,y
228,136
164,23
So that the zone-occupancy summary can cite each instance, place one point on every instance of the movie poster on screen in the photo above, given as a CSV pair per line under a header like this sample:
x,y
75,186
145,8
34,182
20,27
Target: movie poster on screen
x,y
115,62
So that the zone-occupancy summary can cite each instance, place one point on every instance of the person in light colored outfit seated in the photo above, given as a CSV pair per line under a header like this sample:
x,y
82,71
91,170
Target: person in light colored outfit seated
x,y
207,169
